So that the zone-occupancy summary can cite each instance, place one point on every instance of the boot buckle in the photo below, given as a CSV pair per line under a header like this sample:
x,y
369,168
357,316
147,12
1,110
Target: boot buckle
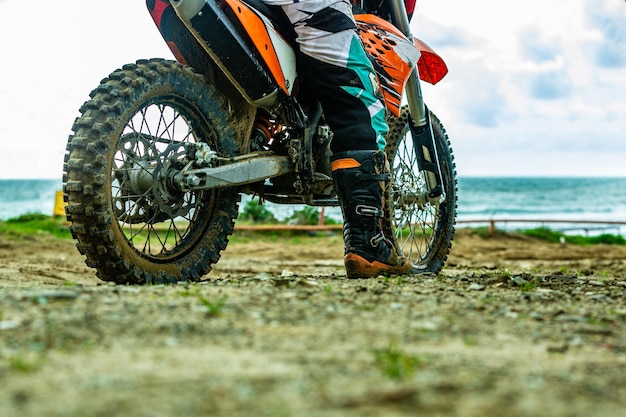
x,y
368,211
377,239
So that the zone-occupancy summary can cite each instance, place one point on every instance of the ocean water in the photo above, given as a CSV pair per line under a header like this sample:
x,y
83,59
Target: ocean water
x,y
19,197
574,199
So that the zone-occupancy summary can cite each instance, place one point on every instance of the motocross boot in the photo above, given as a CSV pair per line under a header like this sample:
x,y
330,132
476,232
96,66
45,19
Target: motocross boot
x,y
359,178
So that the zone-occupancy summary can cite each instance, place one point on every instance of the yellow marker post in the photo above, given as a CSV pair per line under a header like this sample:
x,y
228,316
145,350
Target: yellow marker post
x,y
59,205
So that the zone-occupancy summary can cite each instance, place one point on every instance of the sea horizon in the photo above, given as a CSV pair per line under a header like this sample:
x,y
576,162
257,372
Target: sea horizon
x,y
546,198
547,176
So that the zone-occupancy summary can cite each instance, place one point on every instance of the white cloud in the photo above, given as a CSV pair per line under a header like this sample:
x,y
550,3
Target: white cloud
x,y
545,77
608,22
54,54
538,47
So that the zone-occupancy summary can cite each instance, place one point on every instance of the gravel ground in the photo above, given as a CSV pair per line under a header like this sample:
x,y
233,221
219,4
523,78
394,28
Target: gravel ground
x,y
511,327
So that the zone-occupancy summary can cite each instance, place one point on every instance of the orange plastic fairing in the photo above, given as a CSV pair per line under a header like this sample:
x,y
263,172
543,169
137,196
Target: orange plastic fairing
x,y
379,40
261,39
385,44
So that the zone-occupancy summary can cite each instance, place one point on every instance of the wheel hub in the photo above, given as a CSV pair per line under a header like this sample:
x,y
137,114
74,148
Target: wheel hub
x,y
149,193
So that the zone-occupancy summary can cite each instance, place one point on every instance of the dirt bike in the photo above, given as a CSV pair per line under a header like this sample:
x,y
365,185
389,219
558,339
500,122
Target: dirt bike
x,y
163,150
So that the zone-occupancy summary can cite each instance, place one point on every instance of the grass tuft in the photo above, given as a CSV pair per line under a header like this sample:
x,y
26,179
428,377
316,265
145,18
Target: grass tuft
x,y
395,363
213,307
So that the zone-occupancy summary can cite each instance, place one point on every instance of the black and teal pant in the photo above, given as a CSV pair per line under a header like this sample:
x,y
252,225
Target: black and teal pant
x,y
333,64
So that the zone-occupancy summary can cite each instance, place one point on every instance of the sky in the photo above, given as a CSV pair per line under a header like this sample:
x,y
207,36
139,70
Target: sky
x,y
535,88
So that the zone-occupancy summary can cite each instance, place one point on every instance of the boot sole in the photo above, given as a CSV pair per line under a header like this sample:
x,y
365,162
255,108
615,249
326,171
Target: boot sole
x,y
359,267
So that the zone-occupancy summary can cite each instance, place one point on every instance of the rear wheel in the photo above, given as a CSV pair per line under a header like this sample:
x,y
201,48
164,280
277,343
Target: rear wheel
x,y
421,230
132,223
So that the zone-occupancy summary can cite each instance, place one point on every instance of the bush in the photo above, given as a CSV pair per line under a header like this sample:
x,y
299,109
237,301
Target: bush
x,y
29,218
555,237
35,223
256,213
307,216
608,239
544,233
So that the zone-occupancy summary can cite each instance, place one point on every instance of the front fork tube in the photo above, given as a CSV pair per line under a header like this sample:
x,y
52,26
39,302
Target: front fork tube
x,y
424,139
421,128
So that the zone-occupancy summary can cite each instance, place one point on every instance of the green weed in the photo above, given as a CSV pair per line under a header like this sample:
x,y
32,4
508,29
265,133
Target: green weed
x,y
395,363
619,313
488,299
213,307
528,286
23,363
470,341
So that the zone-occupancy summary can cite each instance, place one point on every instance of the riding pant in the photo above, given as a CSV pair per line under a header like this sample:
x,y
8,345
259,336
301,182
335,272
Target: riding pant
x,y
335,67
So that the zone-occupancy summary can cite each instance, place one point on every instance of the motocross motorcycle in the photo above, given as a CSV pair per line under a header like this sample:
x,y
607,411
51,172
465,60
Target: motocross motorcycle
x,y
163,150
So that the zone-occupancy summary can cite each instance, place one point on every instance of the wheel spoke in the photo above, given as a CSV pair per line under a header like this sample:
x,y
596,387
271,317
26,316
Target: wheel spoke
x,y
149,215
417,224
411,222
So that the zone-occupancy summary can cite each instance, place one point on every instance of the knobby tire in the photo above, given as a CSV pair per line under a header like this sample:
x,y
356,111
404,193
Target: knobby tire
x,y
155,236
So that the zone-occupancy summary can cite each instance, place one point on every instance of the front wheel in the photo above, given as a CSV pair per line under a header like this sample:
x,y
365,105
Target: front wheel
x,y
421,230
142,125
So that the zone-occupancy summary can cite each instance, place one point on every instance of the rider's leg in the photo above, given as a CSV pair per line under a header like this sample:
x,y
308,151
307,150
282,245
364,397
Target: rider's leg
x,y
334,65
360,178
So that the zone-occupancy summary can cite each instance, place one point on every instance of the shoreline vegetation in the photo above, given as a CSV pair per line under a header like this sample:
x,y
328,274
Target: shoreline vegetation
x,y
254,214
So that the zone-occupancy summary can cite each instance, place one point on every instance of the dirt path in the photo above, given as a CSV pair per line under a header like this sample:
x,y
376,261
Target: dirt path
x,y
512,327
